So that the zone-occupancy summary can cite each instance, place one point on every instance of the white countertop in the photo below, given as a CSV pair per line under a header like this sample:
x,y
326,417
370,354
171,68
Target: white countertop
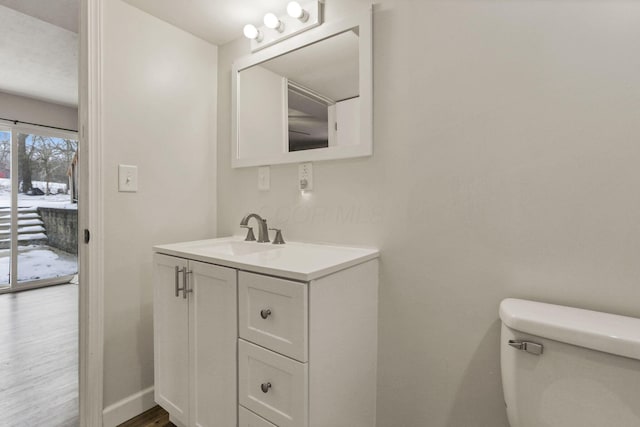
x,y
293,260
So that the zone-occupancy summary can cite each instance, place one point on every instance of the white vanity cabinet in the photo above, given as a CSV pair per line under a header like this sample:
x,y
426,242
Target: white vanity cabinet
x,y
195,341
267,336
307,351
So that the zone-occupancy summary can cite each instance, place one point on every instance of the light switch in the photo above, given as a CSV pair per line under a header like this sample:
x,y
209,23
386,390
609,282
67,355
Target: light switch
x,y
264,178
127,178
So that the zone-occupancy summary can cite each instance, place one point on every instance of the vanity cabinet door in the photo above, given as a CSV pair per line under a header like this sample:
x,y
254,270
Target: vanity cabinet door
x,y
213,334
171,338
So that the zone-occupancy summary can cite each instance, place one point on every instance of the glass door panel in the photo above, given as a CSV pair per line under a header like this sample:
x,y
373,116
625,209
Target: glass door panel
x,y
47,213
5,207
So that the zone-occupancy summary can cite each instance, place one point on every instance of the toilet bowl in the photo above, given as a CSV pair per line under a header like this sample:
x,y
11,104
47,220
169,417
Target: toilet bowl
x,y
568,367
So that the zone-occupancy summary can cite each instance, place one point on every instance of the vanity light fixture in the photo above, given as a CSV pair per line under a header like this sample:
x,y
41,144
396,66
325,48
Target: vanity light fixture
x,y
252,33
273,22
301,16
295,10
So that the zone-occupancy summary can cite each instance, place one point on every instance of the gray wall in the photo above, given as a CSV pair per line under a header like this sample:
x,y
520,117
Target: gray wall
x,y
506,165
159,113
32,110
62,228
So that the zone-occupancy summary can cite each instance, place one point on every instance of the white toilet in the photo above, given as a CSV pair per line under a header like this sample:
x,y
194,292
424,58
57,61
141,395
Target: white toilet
x,y
567,367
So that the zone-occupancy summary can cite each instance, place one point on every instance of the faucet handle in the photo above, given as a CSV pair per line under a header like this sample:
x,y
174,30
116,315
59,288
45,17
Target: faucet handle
x,y
278,240
250,236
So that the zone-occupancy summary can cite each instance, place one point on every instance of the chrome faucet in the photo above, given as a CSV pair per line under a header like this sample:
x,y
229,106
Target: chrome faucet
x,y
263,231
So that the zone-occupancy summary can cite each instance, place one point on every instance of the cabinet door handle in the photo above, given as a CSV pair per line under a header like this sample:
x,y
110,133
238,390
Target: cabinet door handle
x,y
185,283
177,280
265,387
265,313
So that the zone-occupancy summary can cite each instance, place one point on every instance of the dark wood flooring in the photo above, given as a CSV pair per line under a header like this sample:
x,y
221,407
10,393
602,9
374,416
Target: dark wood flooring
x,y
154,417
39,358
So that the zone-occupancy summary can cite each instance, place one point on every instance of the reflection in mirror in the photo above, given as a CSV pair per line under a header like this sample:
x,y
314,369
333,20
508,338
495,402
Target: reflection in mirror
x,y
307,99
308,118
321,77
322,85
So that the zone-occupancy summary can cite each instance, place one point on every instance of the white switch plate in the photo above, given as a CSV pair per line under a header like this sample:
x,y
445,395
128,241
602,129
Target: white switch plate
x,y
127,178
305,177
264,178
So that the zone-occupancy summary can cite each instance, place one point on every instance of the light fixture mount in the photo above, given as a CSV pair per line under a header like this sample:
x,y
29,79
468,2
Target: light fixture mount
x,y
299,17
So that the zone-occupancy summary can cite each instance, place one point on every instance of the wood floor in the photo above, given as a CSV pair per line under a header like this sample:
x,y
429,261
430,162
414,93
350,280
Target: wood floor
x,y
154,417
39,358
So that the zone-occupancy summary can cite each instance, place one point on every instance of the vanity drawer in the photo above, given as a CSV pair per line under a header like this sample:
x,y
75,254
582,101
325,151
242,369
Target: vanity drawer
x,y
249,419
273,314
272,385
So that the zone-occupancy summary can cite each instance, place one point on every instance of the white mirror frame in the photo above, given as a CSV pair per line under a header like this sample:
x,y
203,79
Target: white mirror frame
x,y
327,30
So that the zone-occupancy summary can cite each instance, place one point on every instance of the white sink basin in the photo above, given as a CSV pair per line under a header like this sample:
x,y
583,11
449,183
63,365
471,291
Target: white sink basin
x,y
237,248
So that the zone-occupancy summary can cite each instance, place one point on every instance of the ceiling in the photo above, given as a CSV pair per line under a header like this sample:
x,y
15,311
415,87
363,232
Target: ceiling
x,y
61,13
39,53
39,40
217,21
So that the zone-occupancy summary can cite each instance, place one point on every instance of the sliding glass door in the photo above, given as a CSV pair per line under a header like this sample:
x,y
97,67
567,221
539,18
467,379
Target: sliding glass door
x,y
38,208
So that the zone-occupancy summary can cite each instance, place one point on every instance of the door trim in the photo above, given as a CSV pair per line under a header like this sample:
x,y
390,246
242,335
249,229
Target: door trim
x,y
91,201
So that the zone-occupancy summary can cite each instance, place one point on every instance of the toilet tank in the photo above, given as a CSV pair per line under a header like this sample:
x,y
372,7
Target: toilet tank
x,y
588,372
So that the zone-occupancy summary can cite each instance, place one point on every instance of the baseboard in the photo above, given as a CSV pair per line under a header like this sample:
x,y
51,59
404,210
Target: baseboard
x,y
124,410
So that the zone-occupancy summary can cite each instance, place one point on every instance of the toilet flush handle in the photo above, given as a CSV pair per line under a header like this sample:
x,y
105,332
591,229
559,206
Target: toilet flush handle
x,y
529,347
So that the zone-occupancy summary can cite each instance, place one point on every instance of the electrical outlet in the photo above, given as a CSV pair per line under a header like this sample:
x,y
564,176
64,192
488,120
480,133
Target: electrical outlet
x,y
127,178
264,178
305,177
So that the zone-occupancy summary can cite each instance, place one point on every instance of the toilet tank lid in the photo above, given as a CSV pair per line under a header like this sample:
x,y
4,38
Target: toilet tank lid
x,y
605,332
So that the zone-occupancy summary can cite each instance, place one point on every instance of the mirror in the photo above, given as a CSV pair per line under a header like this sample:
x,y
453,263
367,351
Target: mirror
x,y
307,98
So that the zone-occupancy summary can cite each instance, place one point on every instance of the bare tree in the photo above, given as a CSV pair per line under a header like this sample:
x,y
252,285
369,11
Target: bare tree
x,y
5,156
45,152
25,157
53,156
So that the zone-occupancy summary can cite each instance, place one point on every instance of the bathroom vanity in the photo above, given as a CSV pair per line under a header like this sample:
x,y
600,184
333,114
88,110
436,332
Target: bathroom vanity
x,y
262,335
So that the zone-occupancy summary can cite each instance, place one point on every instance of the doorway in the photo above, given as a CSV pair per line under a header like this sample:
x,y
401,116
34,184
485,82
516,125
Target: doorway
x,y
38,249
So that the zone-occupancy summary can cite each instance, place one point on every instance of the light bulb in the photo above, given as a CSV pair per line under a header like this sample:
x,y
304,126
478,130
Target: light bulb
x,y
294,10
251,32
272,21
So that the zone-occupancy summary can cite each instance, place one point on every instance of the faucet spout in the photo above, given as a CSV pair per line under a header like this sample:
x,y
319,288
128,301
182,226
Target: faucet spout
x,y
263,229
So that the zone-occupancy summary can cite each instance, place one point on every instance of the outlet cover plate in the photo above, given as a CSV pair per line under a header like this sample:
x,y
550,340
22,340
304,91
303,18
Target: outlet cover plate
x,y
305,177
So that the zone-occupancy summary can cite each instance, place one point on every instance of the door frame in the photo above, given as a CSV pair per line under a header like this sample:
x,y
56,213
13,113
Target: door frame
x,y
91,201
90,215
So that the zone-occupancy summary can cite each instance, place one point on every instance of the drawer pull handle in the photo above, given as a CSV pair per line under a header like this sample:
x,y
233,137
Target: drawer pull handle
x,y
265,313
265,387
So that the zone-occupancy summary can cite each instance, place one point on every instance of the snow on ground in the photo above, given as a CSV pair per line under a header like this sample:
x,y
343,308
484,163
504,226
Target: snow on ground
x,y
62,201
38,262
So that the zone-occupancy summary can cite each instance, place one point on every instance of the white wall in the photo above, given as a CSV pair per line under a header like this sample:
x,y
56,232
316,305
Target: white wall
x,y
159,114
506,165
24,109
